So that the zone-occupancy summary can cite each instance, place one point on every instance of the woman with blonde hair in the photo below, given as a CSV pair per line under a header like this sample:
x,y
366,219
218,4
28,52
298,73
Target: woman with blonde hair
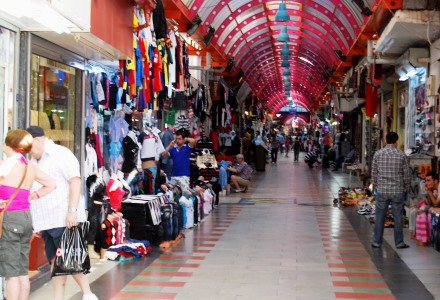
x,y
17,175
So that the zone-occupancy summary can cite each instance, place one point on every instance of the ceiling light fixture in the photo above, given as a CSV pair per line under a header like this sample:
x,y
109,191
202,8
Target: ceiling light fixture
x,y
282,14
208,37
284,36
286,72
285,52
192,27
285,63
365,10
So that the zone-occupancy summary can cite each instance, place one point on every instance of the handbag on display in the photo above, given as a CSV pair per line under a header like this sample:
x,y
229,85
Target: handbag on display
x,y
180,101
4,204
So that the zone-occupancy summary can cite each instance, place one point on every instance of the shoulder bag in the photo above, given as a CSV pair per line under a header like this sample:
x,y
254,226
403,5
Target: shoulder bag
x,y
5,204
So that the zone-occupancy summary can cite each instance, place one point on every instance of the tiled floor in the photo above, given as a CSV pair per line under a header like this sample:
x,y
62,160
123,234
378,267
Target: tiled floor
x,y
283,239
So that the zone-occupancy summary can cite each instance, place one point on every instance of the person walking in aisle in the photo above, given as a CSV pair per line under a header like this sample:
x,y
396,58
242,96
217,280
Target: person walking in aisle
x,y
60,209
287,142
16,178
296,148
275,145
391,178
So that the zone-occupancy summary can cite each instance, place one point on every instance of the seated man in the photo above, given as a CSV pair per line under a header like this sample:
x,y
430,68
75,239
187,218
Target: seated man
x,y
242,174
419,221
350,158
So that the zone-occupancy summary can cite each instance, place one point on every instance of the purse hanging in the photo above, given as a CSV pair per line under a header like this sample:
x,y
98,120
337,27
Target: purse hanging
x,y
10,200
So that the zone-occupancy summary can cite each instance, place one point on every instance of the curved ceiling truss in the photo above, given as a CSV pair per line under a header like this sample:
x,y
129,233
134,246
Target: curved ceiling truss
x,y
247,31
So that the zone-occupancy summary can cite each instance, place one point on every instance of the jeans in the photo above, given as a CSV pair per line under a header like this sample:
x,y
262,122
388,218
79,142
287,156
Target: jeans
x,y
167,221
274,154
382,202
295,154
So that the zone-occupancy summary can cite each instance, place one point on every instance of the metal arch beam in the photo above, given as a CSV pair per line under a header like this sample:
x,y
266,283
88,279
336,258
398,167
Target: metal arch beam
x,y
335,33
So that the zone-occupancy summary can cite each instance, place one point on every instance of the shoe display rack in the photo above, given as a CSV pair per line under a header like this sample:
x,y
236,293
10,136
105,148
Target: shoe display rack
x,y
424,127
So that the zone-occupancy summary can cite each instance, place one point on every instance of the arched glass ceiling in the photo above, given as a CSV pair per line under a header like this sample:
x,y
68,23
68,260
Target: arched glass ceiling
x,y
247,31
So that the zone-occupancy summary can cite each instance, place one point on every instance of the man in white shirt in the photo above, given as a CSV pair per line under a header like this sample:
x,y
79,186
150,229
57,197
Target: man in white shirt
x,y
60,209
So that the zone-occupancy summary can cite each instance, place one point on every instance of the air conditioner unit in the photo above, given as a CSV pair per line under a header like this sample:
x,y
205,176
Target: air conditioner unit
x,y
410,60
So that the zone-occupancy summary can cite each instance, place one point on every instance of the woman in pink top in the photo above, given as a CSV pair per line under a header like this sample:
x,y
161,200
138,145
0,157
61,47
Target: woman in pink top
x,y
17,222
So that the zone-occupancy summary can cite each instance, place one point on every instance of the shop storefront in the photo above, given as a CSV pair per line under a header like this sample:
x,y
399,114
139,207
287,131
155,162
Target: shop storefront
x,y
8,73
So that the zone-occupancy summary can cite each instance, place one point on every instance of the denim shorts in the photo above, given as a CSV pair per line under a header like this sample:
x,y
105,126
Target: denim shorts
x,y
14,244
52,241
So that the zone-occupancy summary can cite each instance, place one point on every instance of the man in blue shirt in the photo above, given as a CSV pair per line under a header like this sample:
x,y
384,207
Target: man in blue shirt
x,y
180,154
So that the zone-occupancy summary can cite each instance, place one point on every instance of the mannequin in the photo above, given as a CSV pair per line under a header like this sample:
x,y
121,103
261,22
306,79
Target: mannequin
x,y
151,149
131,152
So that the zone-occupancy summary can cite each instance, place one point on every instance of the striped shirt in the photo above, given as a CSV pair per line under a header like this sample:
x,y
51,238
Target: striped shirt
x,y
310,155
390,171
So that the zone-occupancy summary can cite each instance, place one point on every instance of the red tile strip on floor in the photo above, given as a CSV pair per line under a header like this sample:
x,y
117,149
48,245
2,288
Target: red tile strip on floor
x,y
352,266
348,258
165,273
144,295
182,257
157,283
340,239
174,265
186,251
356,274
216,225
347,295
380,285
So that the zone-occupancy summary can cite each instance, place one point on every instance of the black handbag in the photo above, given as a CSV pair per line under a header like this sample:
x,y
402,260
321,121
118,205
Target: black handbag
x,y
180,101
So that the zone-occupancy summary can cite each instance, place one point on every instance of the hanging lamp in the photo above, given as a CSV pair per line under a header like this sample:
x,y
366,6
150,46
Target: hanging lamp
x,y
286,72
285,52
284,36
282,14
286,78
285,63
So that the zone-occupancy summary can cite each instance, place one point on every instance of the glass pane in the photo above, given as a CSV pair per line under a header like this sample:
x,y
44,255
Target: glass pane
x,y
7,66
53,99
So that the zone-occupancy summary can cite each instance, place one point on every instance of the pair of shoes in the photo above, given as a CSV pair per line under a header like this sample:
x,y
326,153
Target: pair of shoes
x,y
238,190
89,297
403,246
375,245
245,189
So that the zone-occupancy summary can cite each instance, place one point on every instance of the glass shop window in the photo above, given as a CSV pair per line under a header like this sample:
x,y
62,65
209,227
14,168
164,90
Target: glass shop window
x,y
7,95
53,99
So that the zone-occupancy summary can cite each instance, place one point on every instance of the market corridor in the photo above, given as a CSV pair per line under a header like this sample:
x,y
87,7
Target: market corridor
x,y
283,239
